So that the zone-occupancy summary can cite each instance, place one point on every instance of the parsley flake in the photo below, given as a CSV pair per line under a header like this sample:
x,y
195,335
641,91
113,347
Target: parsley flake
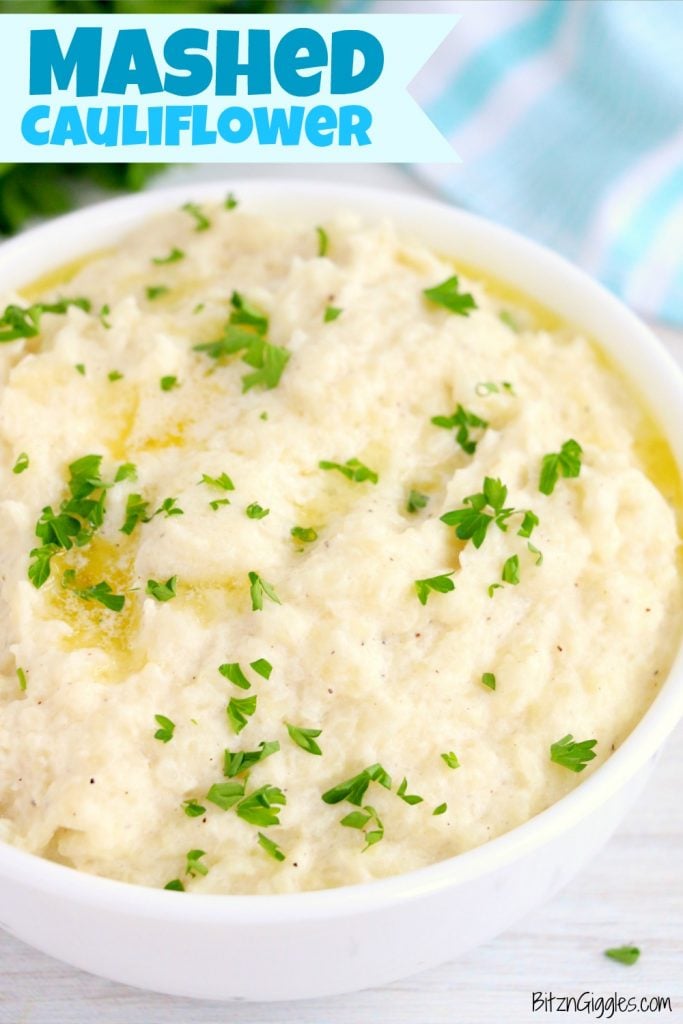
x,y
261,807
168,383
331,313
22,464
162,591
627,955
571,755
323,241
239,711
271,848
23,681
462,421
245,333
304,533
193,865
239,761
566,462
416,501
355,788
441,809
155,291
258,588
439,584
201,221
510,572
489,387
114,375
230,201
234,673
353,470
165,730
137,511
256,511
448,294
361,820
472,521
101,592
304,738
408,798
222,482
489,680
451,760
175,885
126,471
226,794
173,257
18,322
262,667
193,809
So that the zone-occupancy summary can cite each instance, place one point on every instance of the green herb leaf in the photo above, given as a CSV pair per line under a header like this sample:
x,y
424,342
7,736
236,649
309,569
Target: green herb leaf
x,y
472,521
627,955
354,789
114,375
258,588
353,470
441,809
304,533
448,294
489,680
127,471
162,591
22,464
168,383
572,755
239,761
271,848
239,711
102,593
193,865
304,738
323,241
462,421
230,201
202,223
508,319
169,507
416,501
255,511
222,482
193,809
534,551
489,387
331,313
451,760
80,368
226,794
566,462
218,503
175,886
18,322
409,798
23,681
137,511
155,291
173,257
235,674
440,584
360,820
166,730
262,806
510,572
262,667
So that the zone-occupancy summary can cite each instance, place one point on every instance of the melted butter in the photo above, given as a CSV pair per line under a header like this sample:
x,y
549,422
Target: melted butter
x,y
91,624
543,319
60,276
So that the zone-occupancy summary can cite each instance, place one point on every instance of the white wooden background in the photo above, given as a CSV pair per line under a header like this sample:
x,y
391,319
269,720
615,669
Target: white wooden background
x,y
632,892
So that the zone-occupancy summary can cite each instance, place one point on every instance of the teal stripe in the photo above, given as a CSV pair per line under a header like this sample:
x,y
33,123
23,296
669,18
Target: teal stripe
x,y
640,231
463,95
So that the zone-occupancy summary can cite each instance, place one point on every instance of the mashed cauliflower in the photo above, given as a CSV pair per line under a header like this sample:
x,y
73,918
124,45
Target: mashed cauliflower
x,y
220,479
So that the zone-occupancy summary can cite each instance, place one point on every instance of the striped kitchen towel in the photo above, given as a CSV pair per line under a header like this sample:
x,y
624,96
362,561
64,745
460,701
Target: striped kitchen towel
x,y
568,117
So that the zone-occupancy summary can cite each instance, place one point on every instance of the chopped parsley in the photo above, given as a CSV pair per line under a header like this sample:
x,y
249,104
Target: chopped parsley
x,y
368,822
510,572
489,680
262,666
571,755
218,503
226,794
566,462
239,761
175,885
304,738
126,471
323,241
101,592
245,333
80,368
258,588
408,798
22,464
416,501
439,584
489,387
18,322
155,291
271,848
173,257
627,955
234,673
202,222
534,551
355,788
165,730
262,806
451,759
256,511
230,201
441,809
137,511
23,681
304,533
448,294
193,864
331,313
239,711
162,591
114,375
168,383
222,482
353,470
472,521
193,809
462,421
103,314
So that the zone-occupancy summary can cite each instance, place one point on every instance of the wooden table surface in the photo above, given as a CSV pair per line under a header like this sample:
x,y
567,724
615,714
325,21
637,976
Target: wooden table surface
x,y
631,893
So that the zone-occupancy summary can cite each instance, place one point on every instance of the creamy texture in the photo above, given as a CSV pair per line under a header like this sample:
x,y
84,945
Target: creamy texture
x,y
579,646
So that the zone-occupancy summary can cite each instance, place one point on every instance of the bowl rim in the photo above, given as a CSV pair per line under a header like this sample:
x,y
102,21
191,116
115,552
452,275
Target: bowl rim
x,y
117,217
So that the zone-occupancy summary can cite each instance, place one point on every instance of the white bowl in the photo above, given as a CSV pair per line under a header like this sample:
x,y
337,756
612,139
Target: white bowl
x,y
339,940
